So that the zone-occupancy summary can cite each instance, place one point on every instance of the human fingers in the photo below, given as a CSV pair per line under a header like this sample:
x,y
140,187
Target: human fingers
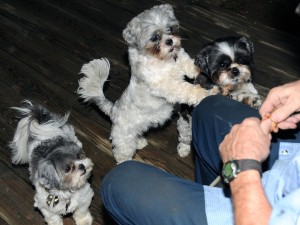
x,y
282,101
247,140
272,101
284,112
285,126
290,123
267,126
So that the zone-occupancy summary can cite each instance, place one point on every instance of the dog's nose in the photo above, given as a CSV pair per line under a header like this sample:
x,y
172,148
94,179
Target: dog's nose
x,y
169,42
81,167
235,71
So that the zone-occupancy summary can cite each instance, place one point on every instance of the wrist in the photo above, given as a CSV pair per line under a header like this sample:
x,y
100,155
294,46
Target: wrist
x,y
232,169
246,179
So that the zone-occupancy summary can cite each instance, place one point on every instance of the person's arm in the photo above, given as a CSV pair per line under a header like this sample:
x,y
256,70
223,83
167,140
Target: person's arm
x,y
248,140
249,200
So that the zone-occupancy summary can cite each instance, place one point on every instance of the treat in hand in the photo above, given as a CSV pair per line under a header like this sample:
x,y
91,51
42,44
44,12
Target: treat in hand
x,y
274,125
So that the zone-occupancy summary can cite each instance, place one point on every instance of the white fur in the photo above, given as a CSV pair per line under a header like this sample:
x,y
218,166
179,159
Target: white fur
x,y
240,89
52,214
156,84
225,48
184,128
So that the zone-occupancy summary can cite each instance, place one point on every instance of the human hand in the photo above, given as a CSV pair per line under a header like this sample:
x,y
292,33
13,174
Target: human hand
x,y
248,140
281,106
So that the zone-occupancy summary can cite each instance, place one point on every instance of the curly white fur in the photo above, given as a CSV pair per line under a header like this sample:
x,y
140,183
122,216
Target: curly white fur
x,y
158,65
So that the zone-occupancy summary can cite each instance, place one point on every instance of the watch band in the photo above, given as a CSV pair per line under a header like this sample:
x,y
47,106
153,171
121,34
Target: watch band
x,y
250,164
232,168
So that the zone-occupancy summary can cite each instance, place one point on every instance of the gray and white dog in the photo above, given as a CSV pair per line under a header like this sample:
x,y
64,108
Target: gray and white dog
x,y
158,65
228,64
58,166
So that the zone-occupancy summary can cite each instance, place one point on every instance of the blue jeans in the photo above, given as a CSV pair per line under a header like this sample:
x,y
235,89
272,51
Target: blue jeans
x,y
136,193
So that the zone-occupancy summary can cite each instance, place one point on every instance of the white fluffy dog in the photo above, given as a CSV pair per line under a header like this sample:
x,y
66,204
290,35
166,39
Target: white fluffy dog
x,y
158,65
57,164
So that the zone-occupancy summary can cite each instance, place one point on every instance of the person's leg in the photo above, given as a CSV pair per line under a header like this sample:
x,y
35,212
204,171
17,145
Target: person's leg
x,y
212,119
137,193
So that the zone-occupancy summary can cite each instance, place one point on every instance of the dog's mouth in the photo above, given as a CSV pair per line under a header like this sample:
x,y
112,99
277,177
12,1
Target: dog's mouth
x,y
174,48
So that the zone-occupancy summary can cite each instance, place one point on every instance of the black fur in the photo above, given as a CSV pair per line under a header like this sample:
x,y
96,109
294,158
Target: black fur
x,y
206,59
53,156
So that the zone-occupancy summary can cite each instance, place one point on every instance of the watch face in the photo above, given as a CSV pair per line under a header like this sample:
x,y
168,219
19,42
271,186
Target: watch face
x,y
230,170
227,170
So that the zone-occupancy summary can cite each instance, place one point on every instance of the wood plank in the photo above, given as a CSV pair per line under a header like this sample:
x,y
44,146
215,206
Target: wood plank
x,y
45,43
16,199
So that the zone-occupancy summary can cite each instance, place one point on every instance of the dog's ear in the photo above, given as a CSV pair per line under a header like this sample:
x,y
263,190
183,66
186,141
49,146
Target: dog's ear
x,y
47,175
129,33
248,43
202,60
204,82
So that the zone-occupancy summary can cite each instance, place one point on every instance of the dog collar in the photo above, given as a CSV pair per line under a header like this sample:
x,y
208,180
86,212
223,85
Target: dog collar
x,y
55,199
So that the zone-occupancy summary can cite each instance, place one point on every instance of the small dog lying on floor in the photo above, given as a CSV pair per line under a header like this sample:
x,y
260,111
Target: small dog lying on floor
x,y
158,65
57,164
228,64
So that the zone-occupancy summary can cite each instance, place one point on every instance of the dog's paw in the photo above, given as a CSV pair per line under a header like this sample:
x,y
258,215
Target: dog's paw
x,y
183,149
121,159
141,143
253,100
122,156
83,219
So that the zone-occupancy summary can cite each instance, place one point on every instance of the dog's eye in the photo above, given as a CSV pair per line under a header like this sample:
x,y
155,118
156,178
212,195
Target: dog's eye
x,y
155,38
68,169
223,65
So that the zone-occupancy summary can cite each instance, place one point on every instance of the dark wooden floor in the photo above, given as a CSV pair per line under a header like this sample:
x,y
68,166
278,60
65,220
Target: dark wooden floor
x,y
43,46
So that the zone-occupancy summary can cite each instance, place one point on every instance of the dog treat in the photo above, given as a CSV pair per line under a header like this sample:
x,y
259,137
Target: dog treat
x,y
274,125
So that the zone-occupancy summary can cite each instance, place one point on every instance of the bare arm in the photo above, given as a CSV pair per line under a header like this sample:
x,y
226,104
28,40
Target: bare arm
x,y
248,140
249,200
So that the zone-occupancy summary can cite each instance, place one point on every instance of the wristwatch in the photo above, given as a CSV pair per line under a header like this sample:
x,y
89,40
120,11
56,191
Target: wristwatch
x,y
232,168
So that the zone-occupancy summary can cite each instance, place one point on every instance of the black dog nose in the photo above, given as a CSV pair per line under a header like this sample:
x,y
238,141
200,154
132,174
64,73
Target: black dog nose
x,y
169,42
235,71
81,167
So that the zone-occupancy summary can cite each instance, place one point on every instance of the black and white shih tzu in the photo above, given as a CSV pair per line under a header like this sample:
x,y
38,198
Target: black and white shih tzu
x,y
228,64
158,66
58,167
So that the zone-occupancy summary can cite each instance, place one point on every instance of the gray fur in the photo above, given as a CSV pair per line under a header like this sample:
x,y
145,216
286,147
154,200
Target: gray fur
x,y
48,143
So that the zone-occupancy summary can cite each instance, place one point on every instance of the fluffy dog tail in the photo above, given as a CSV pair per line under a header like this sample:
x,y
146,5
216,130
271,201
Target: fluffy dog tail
x,y
91,85
36,124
